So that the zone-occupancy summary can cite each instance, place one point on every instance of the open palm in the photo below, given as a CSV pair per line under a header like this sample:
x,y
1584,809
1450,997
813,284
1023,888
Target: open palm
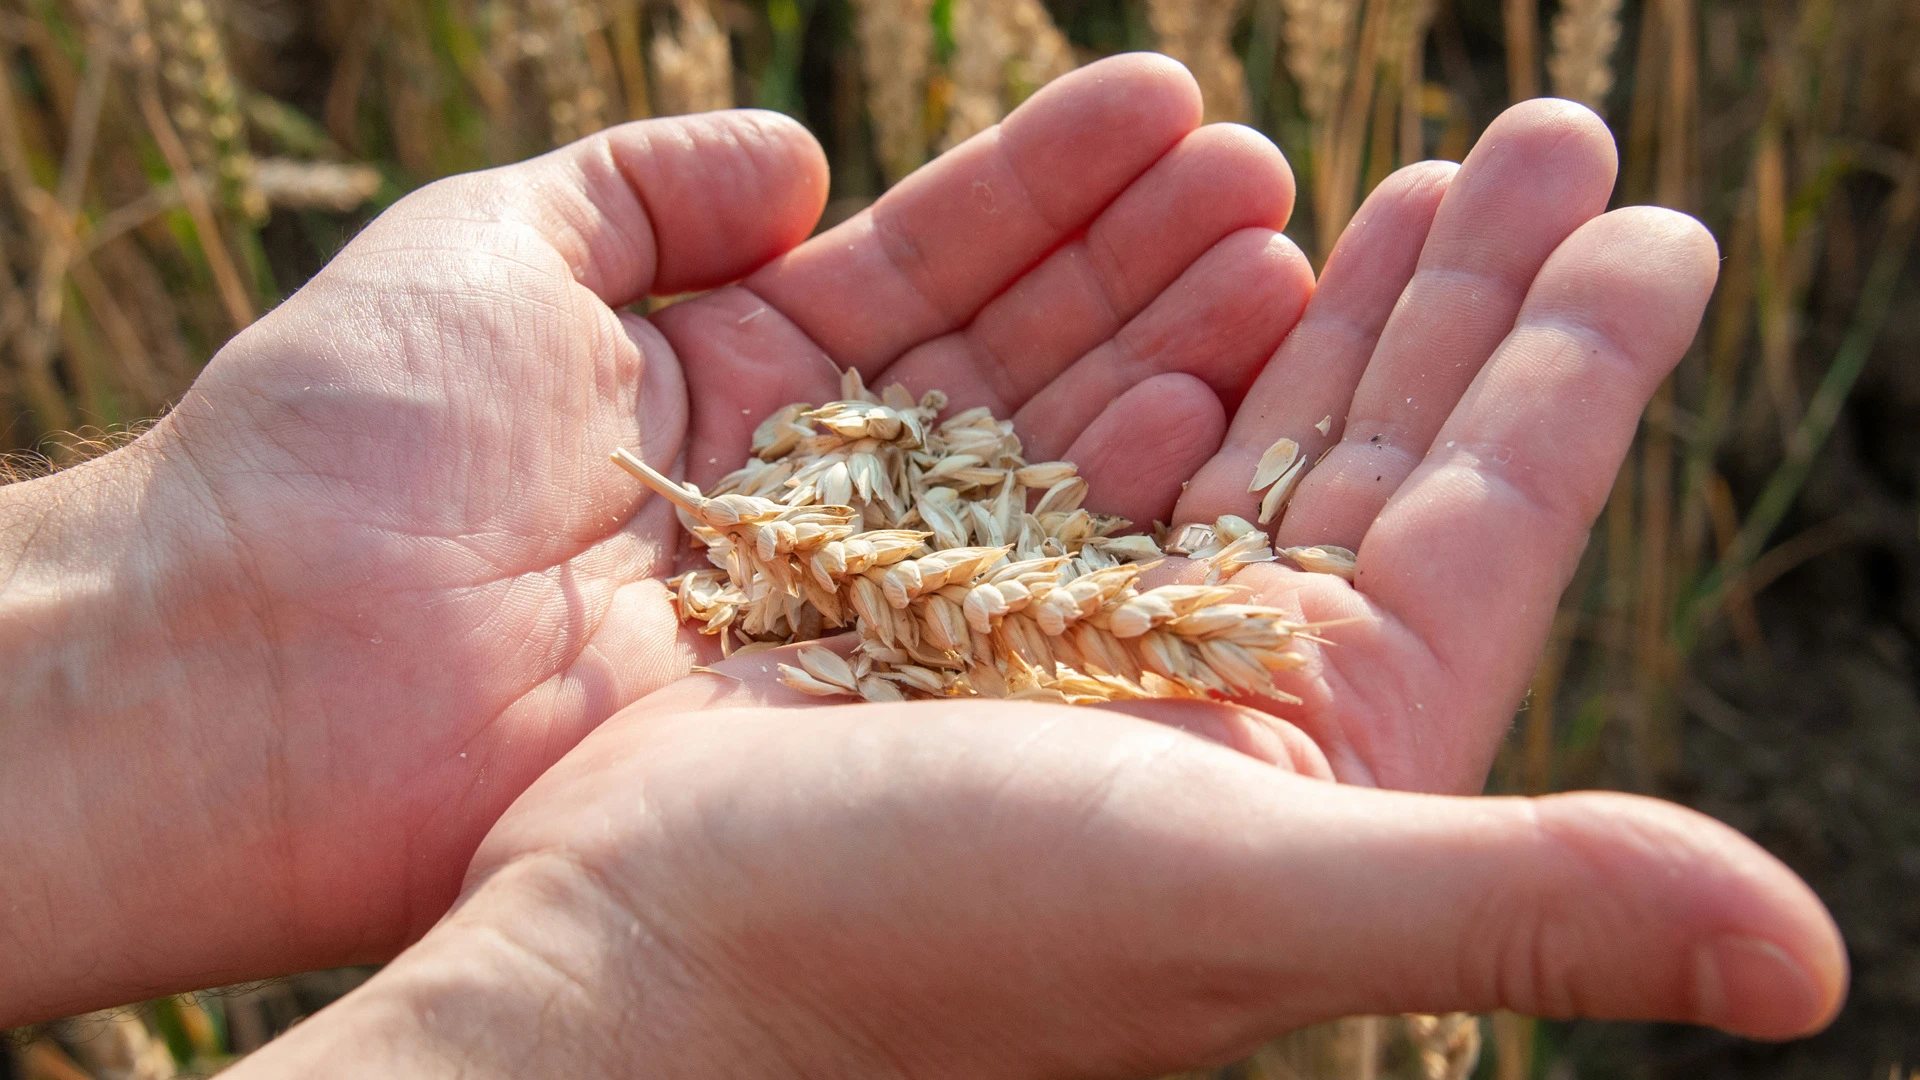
x,y
450,587
1466,380
448,583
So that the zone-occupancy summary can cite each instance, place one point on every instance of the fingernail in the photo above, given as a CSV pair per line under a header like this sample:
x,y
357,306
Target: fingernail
x,y
1750,985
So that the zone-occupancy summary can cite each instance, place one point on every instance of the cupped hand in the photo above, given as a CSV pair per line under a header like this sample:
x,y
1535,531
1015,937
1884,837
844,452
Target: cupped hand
x,y
1008,889
1464,384
437,581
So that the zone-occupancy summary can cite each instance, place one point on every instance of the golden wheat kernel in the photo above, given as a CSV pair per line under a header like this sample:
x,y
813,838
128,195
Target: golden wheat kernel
x,y
1277,459
1323,559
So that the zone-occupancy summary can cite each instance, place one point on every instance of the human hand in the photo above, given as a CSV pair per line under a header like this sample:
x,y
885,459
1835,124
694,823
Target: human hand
x,y
374,573
1481,346
711,886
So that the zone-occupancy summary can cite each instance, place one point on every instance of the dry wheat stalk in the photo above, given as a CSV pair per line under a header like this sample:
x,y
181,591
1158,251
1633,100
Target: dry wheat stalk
x,y
1199,34
1041,52
1584,35
896,48
556,39
1319,38
870,513
114,1044
315,185
205,103
692,61
982,47
1003,50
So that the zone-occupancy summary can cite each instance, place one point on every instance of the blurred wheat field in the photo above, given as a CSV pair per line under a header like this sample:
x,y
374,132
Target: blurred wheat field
x,y
1742,633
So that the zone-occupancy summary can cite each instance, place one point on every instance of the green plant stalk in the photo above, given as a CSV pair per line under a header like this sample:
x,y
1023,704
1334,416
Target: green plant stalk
x,y
1783,487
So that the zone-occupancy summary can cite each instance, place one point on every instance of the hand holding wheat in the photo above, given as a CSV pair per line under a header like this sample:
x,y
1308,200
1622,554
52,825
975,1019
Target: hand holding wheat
x,y
377,576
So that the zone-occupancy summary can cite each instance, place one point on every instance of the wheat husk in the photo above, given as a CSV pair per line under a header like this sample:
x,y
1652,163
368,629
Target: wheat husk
x,y
964,569
1278,471
1323,559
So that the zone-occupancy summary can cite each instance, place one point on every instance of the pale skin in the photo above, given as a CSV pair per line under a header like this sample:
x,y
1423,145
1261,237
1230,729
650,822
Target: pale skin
x,y
368,625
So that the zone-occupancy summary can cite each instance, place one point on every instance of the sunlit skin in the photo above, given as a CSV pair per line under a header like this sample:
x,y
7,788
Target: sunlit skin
x,y
283,663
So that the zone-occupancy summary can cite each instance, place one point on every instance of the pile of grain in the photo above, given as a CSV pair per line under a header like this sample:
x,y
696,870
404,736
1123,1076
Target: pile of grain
x,y
872,514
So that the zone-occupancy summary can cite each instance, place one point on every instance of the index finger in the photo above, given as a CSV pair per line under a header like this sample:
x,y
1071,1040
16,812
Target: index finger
x,y
932,251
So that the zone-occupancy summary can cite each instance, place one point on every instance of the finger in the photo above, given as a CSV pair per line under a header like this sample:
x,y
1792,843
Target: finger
x,y
1218,180
1295,901
1133,901
924,258
661,206
1311,377
1140,450
1542,169
1486,533
743,361
1218,322
1603,906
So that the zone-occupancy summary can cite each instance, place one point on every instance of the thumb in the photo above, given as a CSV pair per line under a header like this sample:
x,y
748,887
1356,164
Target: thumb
x,y
1599,905
1332,900
660,206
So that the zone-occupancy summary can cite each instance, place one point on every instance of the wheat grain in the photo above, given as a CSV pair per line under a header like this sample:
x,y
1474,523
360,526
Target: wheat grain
x,y
870,513
1584,35
1279,470
1323,559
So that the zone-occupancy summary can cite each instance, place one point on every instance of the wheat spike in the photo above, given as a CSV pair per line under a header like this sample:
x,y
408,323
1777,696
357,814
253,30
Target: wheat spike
x,y
1584,35
204,101
1041,52
1199,34
1446,1047
982,46
1319,43
692,60
870,512
1003,50
557,40
896,49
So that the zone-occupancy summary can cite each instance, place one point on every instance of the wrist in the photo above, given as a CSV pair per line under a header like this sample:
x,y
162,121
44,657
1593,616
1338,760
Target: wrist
x,y
537,972
103,572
